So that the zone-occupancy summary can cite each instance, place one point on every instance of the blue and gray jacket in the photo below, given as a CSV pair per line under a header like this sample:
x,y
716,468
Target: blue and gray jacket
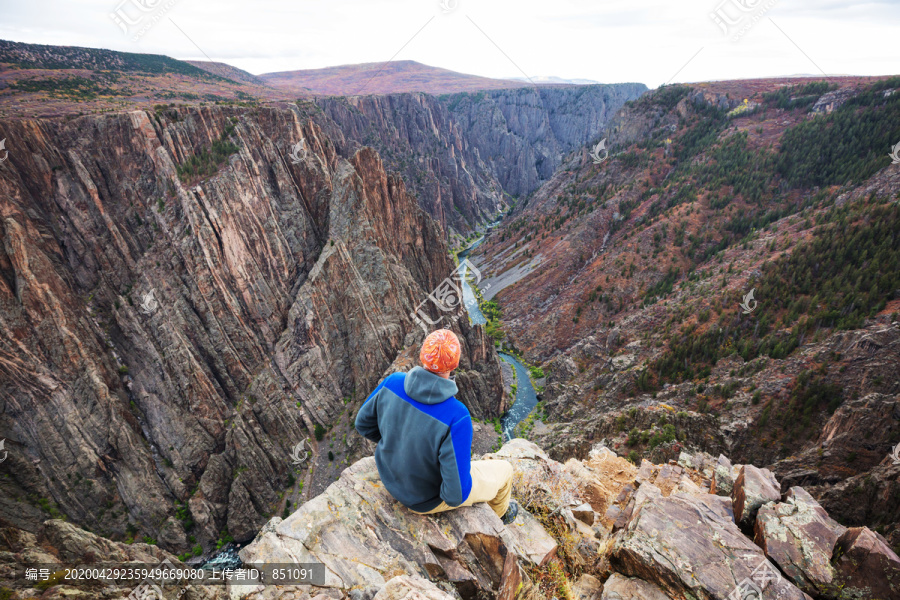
x,y
424,438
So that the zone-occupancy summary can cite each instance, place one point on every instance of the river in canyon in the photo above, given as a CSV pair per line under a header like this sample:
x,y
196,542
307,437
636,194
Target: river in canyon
x,y
526,396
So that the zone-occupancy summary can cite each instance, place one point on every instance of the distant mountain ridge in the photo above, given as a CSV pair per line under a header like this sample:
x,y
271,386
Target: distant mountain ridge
x,y
228,71
42,56
383,78
404,76
39,81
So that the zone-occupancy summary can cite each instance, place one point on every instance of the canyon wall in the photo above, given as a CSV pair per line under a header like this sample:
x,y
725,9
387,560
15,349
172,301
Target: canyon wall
x,y
417,137
523,134
655,291
182,303
461,153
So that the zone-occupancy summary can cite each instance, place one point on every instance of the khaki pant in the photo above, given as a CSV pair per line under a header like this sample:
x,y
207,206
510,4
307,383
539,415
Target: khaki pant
x,y
491,483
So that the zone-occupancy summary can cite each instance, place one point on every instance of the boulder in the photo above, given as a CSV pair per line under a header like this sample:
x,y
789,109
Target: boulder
x,y
618,587
866,566
75,545
688,544
724,474
587,587
584,513
753,488
531,540
799,537
701,462
405,587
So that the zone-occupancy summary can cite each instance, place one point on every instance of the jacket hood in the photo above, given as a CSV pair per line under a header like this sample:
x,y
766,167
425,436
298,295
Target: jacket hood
x,y
424,386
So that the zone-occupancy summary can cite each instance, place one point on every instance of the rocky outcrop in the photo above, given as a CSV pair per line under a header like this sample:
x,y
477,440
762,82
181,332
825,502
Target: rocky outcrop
x,y
672,540
799,537
866,566
753,488
829,101
58,545
362,536
183,304
599,528
689,543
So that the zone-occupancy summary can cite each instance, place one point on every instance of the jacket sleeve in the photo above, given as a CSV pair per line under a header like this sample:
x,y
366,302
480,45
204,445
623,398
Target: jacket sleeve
x,y
367,417
456,459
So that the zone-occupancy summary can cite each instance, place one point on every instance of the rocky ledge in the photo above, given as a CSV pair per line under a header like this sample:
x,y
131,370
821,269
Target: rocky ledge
x,y
598,529
594,529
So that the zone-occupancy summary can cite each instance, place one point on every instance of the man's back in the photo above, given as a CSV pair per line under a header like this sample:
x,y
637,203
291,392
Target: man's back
x,y
424,438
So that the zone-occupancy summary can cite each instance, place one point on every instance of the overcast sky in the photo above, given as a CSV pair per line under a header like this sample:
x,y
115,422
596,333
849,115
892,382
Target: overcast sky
x,y
649,41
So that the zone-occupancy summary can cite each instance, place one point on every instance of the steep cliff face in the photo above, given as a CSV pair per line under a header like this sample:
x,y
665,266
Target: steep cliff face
x,y
168,337
416,135
524,134
461,152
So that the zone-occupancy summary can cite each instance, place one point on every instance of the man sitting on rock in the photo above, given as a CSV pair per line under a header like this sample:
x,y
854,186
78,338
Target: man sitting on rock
x,y
424,438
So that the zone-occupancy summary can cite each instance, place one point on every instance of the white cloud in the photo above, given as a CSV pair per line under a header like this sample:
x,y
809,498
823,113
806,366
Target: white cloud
x,y
610,41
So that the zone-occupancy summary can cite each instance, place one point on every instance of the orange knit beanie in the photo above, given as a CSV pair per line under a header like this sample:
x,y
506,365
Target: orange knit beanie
x,y
440,351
